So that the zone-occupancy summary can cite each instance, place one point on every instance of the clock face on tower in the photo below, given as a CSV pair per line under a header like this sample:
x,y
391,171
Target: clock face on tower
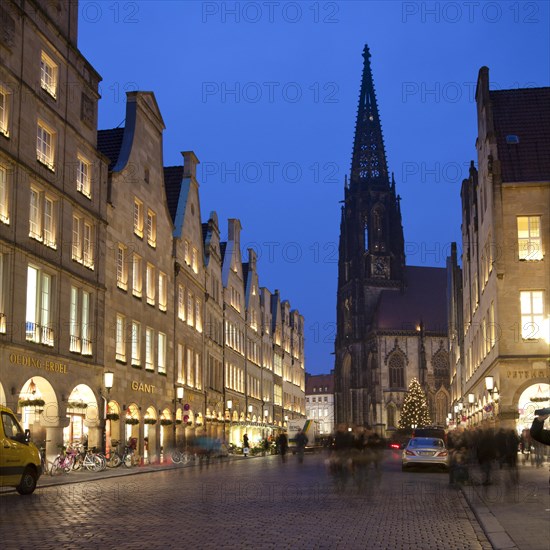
x,y
380,267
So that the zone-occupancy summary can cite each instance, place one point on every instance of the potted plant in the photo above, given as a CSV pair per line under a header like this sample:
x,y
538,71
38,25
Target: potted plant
x,y
31,402
132,421
77,405
150,421
165,422
112,416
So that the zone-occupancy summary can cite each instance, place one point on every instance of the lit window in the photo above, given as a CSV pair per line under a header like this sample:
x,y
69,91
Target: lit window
x,y
45,145
162,353
79,322
120,341
83,177
3,295
4,111
198,315
198,372
187,253
149,349
529,239
532,314
151,228
83,242
190,320
138,218
181,303
85,332
121,267
4,196
163,291
137,277
150,284
38,307
42,218
74,324
48,75
181,379
189,367
136,344
195,260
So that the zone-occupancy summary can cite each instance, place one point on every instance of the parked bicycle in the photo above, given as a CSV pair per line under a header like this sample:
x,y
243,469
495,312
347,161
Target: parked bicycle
x,y
89,459
45,465
129,457
114,460
64,461
181,457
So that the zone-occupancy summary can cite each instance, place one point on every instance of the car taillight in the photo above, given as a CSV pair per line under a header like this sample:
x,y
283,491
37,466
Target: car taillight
x,y
443,453
410,453
394,446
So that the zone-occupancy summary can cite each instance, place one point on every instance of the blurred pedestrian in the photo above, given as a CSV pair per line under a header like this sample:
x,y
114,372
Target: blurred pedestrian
x,y
282,445
486,453
246,447
537,431
301,442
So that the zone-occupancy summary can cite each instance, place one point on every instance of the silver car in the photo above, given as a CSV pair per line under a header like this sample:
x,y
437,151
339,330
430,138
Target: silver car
x,y
425,450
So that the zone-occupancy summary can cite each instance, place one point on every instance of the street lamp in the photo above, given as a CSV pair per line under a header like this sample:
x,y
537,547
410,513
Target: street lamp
x,y
229,407
108,379
180,392
489,383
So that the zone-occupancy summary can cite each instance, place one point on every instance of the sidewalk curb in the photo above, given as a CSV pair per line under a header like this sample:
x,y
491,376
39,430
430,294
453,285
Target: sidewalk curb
x,y
110,473
494,531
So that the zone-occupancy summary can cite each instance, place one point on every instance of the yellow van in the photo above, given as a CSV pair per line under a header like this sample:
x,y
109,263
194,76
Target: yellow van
x,y
20,465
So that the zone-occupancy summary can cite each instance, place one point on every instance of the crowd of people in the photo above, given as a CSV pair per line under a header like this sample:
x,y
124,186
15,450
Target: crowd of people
x,y
492,450
355,456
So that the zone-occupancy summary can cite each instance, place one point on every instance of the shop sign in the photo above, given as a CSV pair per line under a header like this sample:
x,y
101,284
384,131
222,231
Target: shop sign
x,y
142,387
526,374
37,363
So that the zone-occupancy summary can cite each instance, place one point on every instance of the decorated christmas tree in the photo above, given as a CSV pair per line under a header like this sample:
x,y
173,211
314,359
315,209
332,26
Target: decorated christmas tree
x,y
414,412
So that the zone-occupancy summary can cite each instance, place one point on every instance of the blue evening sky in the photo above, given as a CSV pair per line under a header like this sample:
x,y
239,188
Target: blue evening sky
x,y
266,95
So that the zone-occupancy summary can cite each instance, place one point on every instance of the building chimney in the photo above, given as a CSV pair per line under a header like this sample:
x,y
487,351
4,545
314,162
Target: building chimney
x,y
190,162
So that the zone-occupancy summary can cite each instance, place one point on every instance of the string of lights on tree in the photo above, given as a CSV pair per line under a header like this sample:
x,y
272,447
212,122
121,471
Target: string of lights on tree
x,y
414,412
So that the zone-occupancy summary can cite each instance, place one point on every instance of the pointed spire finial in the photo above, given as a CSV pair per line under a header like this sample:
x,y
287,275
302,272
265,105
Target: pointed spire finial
x,y
368,164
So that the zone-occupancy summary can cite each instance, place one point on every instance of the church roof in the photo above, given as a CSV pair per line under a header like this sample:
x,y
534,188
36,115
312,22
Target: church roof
x,y
522,125
423,299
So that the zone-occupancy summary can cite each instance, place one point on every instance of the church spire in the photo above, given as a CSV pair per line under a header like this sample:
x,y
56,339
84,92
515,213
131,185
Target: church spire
x,y
368,164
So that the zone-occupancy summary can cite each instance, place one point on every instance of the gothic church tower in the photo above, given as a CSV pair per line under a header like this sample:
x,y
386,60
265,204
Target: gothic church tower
x,y
371,259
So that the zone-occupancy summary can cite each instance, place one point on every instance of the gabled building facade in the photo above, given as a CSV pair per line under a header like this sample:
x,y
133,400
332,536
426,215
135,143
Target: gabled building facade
x,y
107,269
320,401
503,374
189,290
213,329
53,202
139,276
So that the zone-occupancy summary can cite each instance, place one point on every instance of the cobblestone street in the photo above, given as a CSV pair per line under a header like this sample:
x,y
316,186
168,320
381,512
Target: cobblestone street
x,y
246,503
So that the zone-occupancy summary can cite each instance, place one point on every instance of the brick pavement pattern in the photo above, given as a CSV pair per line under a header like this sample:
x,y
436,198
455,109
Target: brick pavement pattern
x,y
258,503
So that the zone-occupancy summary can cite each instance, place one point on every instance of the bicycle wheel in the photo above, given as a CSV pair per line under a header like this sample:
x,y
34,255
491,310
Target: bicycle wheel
x,y
114,461
186,457
77,464
57,466
102,461
176,457
128,462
